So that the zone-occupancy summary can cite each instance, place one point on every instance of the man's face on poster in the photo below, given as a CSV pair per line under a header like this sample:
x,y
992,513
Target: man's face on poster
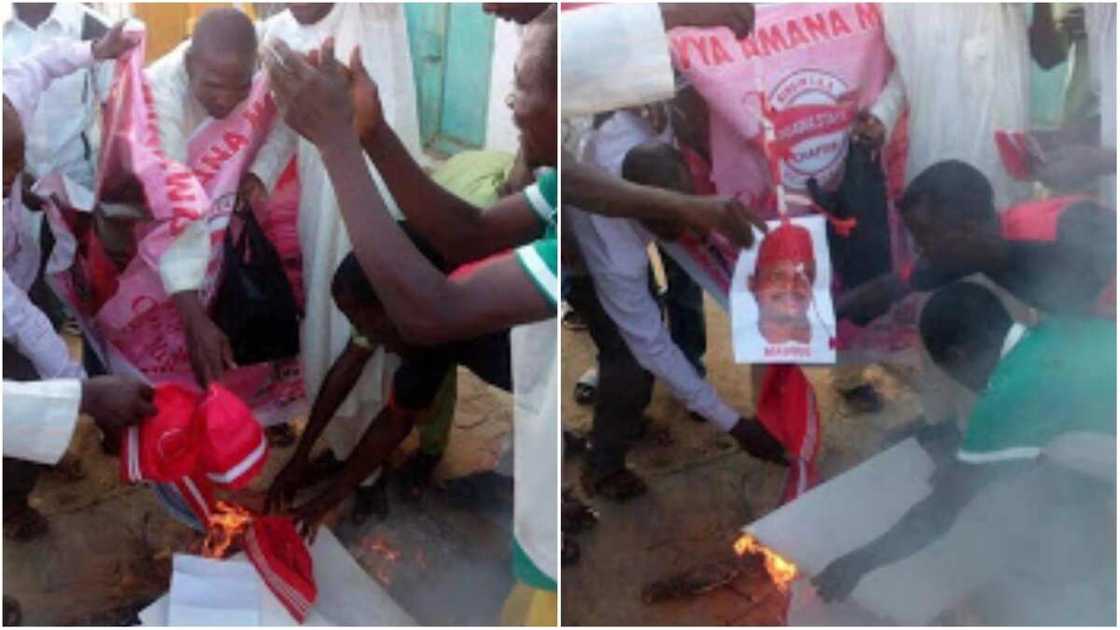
x,y
783,290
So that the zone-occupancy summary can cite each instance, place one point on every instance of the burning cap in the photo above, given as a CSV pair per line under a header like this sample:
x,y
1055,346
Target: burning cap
x,y
788,242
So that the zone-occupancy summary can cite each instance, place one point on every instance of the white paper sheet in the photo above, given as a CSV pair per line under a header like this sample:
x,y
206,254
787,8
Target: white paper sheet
x,y
750,344
996,537
208,592
347,595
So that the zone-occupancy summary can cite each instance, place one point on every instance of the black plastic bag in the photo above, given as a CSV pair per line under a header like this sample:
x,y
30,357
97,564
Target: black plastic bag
x,y
858,229
254,304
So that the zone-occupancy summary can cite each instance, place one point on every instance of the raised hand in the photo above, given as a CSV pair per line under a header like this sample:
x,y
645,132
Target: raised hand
x,y
114,43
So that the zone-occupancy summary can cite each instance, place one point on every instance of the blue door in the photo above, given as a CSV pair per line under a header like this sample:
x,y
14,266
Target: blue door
x,y
451,45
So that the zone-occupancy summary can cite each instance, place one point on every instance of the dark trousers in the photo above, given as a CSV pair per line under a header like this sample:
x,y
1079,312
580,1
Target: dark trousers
x,y
624,388
19,475
684,307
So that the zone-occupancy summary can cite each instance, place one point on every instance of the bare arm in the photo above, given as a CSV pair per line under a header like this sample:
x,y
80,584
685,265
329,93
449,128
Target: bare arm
x,y
601,193
460,231
922,525
427,307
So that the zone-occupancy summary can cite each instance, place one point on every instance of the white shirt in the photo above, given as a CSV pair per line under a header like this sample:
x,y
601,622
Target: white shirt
x,y
963,70
613,56
39,418
614,251
54,136
25,326
1100,25
183,265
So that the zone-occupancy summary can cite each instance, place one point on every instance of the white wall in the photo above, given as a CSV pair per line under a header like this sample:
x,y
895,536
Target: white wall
x,y
501,134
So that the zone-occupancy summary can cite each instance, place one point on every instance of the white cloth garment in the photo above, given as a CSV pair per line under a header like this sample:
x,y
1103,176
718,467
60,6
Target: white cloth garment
x,y
54,135
381,31
39,418
613,56
963,70
536,487
183,265
614,251
1100,24
25,326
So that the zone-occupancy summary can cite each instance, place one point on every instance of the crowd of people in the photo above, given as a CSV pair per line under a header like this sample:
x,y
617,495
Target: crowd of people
x,y
1016,273
401,279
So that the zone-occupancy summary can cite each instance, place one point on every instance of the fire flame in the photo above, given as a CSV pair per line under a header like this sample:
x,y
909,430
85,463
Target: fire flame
x,y
386,558
227,524
782,571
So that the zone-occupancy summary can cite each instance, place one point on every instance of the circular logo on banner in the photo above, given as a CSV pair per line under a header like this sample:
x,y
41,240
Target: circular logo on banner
x,y
813,113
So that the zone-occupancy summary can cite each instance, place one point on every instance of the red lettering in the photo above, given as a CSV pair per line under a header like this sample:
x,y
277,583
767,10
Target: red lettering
x,y
836,21
235,140
817,27
796,37
748,46
771,40
255,115
869,16
679,49
719,55
179,187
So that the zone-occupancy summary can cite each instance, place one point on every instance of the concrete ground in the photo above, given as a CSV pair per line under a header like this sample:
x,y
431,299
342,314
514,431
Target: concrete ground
x,y
109,550
702,491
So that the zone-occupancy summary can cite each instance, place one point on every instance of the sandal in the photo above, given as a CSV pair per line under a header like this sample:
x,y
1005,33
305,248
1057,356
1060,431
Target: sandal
x,y
25,524
575,515
586,387
572,320
619,485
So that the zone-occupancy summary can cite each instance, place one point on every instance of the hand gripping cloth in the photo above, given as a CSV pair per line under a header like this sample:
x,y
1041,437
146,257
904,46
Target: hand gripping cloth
x,y
164,447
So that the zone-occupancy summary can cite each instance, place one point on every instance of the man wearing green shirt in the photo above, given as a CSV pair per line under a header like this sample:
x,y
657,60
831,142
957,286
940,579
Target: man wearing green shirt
x,y
515,286
1035,386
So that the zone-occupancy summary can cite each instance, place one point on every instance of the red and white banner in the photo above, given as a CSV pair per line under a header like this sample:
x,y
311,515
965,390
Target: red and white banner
x,y
133,324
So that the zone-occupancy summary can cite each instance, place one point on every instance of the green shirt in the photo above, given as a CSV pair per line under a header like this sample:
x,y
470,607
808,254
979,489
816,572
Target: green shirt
x,y
1060,377
541,258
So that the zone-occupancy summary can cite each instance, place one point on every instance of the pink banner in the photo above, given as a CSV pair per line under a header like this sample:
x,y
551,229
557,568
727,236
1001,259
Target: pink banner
x,y
814,67
132,322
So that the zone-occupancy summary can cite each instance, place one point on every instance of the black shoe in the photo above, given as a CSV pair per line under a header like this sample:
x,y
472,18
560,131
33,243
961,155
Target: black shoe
x,y
371,501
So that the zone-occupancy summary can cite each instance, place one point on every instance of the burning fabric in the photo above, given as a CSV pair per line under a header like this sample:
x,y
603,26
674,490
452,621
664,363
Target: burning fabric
x,y
195,441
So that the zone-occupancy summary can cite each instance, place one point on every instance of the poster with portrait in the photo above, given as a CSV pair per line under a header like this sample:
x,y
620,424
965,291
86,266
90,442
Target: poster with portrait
x,y
781,305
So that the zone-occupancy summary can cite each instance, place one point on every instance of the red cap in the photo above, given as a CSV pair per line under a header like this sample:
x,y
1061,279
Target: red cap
x,y
788,242
234,446
165,446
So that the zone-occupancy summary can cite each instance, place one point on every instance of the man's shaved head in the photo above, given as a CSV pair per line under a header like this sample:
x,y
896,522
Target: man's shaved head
x,y
13,146
221,60
534,96
224,31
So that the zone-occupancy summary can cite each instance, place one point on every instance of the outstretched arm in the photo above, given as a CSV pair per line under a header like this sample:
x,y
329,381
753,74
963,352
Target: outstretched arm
x,y
384,435
921,526
427,307
599,192
460,231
